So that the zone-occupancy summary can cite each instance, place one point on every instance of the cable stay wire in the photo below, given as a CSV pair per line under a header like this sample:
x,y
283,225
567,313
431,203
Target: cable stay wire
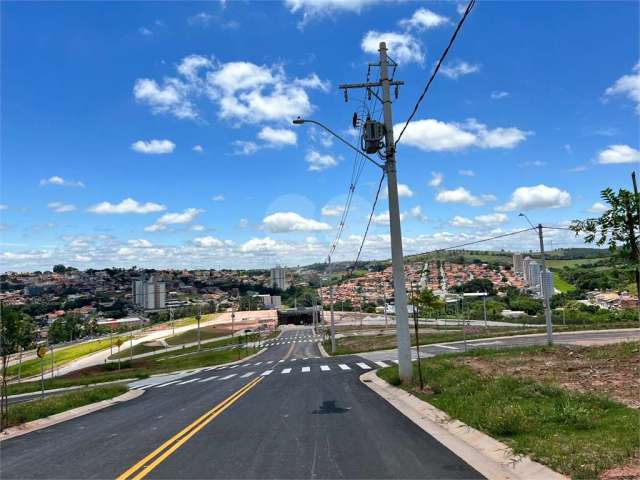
x,y
366,232
437,68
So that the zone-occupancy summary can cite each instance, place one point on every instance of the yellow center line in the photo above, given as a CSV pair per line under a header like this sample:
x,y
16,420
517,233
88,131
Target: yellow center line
x,y
171,445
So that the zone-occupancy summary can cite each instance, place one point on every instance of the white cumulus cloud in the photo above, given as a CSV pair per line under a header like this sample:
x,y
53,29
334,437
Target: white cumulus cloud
x,y
319,162
628,86
422,19
180,218
538,196
619,154
436,179
128,205
458,69
462,195
402,47
280,222
598,207
278,136
153,147
208,242
434,135
332,210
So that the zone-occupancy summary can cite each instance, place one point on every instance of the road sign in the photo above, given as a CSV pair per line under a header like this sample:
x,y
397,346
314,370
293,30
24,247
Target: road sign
x,y
42,351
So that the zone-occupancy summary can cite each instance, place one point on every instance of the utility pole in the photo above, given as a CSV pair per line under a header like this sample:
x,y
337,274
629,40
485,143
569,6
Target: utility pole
x,y
484,309
384,303
173,324
333,322
198,316
545,293
400,293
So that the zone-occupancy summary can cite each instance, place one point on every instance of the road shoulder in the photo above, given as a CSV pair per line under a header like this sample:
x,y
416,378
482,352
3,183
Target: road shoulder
x,y
487,455
39,424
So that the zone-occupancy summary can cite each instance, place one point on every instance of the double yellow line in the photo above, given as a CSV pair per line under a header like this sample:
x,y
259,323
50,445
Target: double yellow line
x,y
151,461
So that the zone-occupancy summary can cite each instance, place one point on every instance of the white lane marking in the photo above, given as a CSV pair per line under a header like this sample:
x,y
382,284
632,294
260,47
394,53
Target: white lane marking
x,y
363,366
280,361
343,366
305,358
189,381
248,374
306,369
324,368
445,346
166,384
286,370
257,363
266,372
228,376
382,364
234,366
270,361
485,343
246,364
208,379
293,359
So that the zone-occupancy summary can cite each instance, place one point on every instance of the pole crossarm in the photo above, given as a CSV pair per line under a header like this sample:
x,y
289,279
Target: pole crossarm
x,y
369,84
298,121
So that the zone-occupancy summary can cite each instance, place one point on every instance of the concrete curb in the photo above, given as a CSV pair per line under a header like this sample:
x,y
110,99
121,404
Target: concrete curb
x,y
73,387
491,458
323,352
41,423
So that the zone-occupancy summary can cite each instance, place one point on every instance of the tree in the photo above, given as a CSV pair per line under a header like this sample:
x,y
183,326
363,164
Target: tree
x,y
59,268
427,300
16,331
616,227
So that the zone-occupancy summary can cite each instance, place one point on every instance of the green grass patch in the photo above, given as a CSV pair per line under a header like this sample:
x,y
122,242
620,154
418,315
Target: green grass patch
x,y
41,408
561,284
189,336
61,357
95,375
576,434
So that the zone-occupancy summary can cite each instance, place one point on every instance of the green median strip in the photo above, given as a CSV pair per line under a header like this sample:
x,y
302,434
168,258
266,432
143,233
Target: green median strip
x,y
578,434
41,408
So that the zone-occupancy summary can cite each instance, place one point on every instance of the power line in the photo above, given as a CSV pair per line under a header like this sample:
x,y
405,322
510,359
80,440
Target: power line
x,y
453,247
435,71
373,209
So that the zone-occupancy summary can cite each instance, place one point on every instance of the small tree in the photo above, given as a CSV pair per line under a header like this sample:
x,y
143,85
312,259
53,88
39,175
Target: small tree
x,y
617,227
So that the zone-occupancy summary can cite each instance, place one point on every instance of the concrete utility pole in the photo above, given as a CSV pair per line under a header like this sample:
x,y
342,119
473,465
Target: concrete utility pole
x,y
198,317
545,293
397,259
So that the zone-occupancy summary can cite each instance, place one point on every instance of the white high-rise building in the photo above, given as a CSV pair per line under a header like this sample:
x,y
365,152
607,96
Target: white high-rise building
x,y
149,294
525,270
279,278
518,264
546,282
534,274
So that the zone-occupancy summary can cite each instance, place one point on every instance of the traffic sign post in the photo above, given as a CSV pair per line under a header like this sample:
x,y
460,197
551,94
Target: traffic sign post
x,y
119,343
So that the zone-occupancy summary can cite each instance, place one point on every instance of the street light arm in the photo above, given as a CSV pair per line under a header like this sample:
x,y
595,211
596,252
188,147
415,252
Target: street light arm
x,y
300,121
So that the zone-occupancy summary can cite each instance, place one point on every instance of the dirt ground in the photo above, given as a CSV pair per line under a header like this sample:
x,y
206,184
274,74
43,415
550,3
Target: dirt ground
x,y
610,370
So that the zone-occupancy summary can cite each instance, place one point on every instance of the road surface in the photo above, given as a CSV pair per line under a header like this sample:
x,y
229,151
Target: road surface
x,y
287,413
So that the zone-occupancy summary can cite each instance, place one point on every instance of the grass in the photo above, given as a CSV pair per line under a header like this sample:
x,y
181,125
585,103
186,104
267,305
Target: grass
x,y
561,284
29,411
61,357
87,377
553,263
189,336
578,434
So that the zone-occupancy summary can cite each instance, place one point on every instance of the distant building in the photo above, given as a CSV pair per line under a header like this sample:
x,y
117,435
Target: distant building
x,y
525,270
279,278
546,282
270,301
149,294
518,265
534,274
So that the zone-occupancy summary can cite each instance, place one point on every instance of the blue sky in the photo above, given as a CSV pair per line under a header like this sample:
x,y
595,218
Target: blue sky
x,y
159,134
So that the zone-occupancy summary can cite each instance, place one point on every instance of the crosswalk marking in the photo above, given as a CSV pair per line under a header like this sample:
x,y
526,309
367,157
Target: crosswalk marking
x,y
208,379
266,372
324,368
306,369
189,381
445,346
229,376
343,366
286,370
166,384
248,374
363,366
382,364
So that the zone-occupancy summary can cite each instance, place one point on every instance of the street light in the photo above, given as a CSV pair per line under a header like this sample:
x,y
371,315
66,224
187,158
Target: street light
x,y
300,121
527,218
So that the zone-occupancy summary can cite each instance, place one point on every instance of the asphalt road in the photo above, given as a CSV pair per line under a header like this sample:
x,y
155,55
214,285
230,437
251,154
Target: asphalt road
x,y
286,413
